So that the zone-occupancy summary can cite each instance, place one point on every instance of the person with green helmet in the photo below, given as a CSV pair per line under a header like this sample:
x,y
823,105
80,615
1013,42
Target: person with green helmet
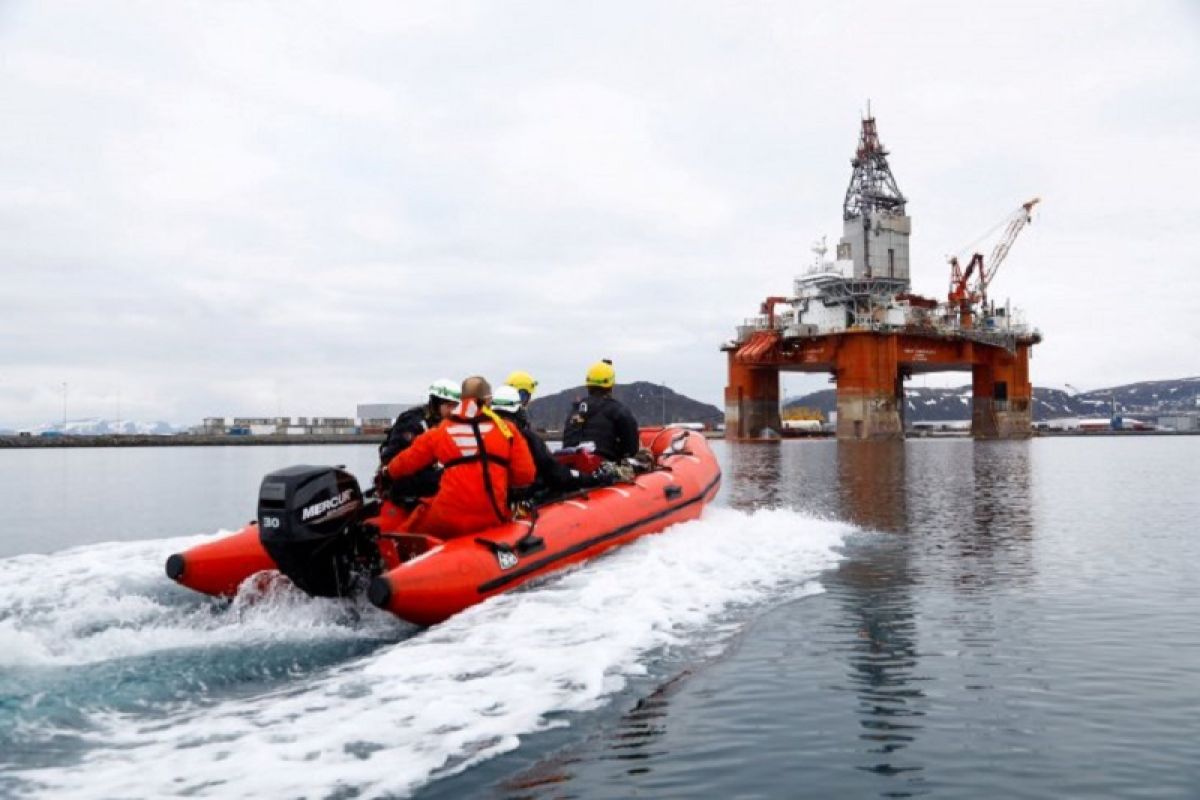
x,y
600,420
443,397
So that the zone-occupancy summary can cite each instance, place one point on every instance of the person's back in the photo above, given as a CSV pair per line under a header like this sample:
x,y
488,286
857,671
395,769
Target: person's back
x,y
602,420
481,457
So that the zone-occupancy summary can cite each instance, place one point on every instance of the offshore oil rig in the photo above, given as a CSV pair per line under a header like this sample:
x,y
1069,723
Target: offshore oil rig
x,y
857,318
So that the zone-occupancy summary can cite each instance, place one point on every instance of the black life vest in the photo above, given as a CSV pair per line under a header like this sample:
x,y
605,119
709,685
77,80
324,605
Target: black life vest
x,y
605,422
408,426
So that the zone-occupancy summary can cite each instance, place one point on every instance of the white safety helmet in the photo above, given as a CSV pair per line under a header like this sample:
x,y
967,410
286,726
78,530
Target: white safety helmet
x,y
445,389
506,400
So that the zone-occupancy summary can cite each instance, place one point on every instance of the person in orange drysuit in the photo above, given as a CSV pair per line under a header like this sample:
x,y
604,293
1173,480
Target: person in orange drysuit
x,y
482,457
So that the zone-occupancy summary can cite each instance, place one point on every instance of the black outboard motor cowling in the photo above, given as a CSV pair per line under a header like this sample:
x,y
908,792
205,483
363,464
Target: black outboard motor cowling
x,y
308,523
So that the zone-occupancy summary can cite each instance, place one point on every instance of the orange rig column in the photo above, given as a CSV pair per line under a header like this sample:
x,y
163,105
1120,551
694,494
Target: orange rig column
x,y
869,387
1002,405
751,400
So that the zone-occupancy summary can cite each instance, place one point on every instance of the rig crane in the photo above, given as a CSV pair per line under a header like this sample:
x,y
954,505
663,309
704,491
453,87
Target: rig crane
x,y
963,294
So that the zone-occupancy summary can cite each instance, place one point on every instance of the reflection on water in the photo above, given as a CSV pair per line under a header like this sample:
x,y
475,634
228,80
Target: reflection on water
x,y
964,513
871,487
751,476
882,657
1001,534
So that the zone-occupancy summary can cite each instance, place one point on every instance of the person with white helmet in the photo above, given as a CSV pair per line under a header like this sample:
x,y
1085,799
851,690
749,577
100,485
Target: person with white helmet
x,y
506,400
443,397
552,476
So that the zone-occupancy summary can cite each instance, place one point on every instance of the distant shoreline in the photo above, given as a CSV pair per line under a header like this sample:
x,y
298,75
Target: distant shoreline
x,y
212,440
208,440
183,440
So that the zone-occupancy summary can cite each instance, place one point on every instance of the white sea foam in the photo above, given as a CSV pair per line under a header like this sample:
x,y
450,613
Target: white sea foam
x,y
109,601
449,697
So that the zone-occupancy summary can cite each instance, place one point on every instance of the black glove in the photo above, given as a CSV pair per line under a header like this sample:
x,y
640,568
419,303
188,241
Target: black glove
x,y
598,479
520,495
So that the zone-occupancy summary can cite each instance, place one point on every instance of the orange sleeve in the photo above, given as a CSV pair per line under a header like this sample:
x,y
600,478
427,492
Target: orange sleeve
x,y
521,469
417,456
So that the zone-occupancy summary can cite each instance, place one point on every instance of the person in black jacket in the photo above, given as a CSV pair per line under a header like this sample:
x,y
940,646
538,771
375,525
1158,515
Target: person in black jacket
x,y
601,419
443,397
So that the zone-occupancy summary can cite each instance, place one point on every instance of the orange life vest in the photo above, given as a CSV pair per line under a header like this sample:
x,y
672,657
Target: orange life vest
x,y
481,457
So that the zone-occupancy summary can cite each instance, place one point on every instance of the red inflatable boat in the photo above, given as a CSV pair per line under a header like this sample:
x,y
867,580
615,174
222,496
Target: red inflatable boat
x,y
315,527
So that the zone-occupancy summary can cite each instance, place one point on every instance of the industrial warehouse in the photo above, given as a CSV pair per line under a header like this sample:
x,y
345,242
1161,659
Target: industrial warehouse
x,y
370,418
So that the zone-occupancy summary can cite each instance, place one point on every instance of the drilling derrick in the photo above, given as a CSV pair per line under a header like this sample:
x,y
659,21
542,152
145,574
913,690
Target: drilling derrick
x,y
876,230
856,318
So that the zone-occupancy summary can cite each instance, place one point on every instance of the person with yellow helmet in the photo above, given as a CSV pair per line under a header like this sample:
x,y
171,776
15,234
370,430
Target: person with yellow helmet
x,y
600,420
524,383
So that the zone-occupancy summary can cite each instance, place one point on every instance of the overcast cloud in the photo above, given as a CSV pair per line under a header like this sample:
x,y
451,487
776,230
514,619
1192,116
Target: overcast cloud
x,y
219,209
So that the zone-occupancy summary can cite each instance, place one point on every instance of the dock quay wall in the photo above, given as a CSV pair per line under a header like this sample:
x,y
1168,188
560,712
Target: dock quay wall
x,y
214,440
185,440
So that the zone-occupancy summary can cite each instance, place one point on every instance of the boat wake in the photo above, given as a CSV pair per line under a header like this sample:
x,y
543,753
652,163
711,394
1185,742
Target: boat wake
x,y
115,682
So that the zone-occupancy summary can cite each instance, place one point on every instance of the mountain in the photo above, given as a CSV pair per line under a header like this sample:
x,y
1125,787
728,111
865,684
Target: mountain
x,y
1148,398
649,402
1151,396
94,426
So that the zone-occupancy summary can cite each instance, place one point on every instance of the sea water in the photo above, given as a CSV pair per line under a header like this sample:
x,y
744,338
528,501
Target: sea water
x,y
930,618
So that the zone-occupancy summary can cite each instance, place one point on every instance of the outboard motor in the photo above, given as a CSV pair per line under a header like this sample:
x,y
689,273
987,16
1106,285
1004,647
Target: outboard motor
x,y
308,523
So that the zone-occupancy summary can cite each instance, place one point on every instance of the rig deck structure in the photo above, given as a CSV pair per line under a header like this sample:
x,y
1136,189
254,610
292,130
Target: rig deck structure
x,y
855,318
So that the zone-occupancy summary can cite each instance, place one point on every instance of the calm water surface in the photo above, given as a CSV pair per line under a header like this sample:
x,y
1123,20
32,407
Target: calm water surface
x,y
1009,619
1022,624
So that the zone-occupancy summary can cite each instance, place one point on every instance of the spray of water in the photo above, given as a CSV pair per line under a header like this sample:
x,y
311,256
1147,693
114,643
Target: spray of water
x,y
284,695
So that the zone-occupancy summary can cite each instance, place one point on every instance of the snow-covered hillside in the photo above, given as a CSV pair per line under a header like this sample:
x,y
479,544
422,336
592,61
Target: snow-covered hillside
x,y
95,426
1149,398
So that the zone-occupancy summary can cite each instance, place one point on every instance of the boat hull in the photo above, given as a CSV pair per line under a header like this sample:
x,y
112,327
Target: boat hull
x,y
426,580
219,567
469,569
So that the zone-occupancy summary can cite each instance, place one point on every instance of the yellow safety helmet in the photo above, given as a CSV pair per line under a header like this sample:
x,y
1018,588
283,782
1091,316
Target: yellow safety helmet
x,y
522,381
601,374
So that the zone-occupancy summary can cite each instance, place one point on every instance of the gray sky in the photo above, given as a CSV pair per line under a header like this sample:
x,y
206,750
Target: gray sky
x,y
219,208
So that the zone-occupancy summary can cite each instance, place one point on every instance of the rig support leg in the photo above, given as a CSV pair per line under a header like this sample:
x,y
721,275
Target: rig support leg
x,y
751,401
1002,395
869,388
